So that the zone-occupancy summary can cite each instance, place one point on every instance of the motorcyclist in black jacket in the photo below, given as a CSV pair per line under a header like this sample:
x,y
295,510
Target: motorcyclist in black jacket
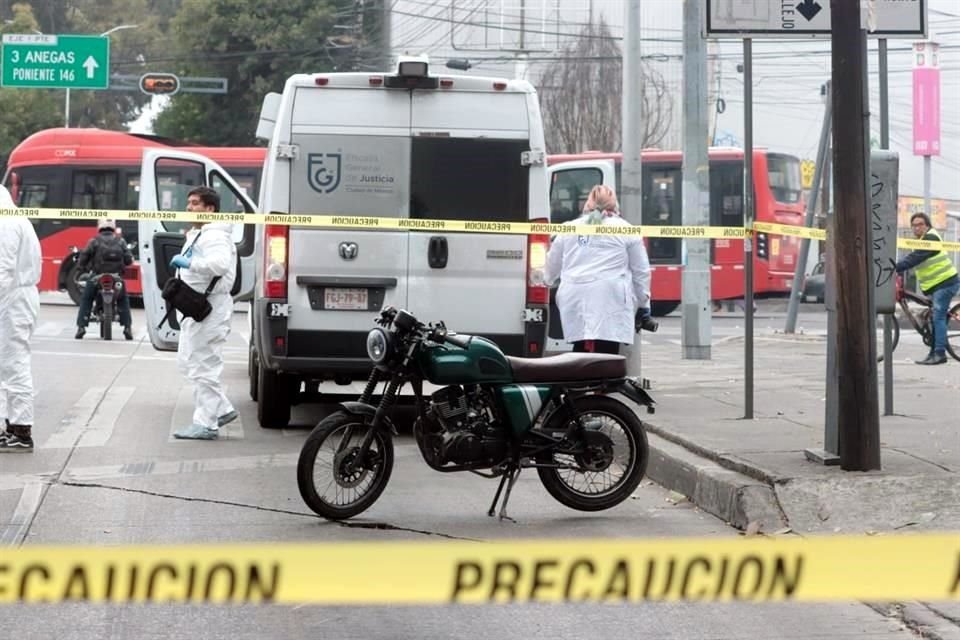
x,y
106,252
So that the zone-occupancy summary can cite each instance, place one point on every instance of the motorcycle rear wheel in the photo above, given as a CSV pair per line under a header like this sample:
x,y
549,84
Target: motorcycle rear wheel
x,y
106,324
617,422
353,492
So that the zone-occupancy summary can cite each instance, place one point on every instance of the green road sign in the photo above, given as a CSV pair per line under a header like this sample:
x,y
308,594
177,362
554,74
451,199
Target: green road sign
x,y
55,62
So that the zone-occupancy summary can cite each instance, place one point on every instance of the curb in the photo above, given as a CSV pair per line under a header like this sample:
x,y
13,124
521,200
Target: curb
x,y
738,499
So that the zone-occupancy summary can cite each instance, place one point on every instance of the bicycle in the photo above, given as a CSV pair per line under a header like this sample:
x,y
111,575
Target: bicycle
x,y
922,322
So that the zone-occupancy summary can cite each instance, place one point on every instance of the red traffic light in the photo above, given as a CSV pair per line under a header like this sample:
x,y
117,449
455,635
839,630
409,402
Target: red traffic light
x,y
163,84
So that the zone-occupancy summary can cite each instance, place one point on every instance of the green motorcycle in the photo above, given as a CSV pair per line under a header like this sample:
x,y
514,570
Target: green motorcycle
x,y
495,416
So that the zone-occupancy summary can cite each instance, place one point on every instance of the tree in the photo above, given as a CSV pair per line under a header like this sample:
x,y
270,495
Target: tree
x,y
581,96
24,111
255,46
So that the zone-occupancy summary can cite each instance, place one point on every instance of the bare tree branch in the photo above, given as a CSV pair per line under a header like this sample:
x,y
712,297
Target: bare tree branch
x,y
581,97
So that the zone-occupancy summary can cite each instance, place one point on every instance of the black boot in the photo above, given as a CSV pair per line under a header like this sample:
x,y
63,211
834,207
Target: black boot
x,y
81,331
17,439
128,333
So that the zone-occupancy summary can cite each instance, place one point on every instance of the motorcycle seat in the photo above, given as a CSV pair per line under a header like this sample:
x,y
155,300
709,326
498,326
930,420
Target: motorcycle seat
x,y
568,367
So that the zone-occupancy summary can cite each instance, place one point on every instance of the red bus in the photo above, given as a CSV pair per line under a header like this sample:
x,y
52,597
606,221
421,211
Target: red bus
x,y
778,198
98,169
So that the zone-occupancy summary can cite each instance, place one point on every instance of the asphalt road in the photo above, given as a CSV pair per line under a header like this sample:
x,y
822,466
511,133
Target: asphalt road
x,y
107,471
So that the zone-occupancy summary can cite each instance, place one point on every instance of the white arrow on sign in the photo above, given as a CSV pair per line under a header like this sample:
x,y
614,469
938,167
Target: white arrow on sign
x,y
90,65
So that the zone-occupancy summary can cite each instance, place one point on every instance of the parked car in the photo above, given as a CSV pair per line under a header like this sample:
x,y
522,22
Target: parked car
x,y
814,284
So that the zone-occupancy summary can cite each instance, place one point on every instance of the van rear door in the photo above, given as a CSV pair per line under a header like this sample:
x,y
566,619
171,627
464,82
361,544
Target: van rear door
x,y
166,177
467,165
356,163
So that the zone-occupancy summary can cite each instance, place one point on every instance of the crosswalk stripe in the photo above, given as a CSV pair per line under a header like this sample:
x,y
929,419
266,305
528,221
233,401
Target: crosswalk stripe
x,y
91,421
183,416
76,419
12,534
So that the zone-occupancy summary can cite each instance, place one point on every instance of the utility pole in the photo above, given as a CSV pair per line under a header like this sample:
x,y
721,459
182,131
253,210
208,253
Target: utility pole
x,y
856,336
695,330
631,171
385,33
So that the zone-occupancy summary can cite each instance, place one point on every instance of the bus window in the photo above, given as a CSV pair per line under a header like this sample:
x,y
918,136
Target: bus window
x,y
784,175
662,205
726,194
569,189
94,190
33,195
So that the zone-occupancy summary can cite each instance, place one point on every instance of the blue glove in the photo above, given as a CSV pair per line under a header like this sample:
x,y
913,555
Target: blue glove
x,y
180,262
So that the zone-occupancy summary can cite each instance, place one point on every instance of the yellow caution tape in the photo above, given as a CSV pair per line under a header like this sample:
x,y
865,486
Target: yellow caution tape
x,y
449,226
878,568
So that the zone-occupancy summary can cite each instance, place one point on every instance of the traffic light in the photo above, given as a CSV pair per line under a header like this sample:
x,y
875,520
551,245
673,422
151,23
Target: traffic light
x,y
159,84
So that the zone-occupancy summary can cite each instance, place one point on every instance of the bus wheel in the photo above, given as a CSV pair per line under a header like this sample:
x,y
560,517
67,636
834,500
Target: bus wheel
x,y
73,287
663,308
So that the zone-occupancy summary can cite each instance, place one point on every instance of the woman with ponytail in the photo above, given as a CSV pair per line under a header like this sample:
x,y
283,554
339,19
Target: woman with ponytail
x,y
604,279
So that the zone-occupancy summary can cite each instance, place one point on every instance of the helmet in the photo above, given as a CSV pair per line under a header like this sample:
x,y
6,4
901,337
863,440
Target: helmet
x,y
106,223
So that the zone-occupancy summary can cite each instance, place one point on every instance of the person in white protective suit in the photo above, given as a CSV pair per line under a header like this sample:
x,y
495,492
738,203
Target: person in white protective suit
x,y
209,252
604,292
19,305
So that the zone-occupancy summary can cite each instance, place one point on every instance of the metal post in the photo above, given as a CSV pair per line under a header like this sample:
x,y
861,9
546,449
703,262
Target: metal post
x,y
888,318
926,186
748,223
66,110
695,330
632,142
801,267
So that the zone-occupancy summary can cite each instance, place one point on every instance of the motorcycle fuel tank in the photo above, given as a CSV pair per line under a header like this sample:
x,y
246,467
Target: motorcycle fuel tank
x,y
481,362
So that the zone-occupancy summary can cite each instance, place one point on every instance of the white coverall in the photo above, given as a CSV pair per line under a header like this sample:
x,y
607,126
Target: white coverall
x,y
19,305
605,279
200,351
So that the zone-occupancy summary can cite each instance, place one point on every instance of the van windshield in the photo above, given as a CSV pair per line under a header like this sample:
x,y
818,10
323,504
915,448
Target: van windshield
x,y
460,179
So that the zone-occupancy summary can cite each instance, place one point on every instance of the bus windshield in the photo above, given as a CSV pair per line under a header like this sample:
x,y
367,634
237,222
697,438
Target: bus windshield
x,y
784,175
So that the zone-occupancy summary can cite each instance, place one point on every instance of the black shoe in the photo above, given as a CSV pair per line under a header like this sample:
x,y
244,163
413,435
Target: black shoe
x,y
81,331
934,358
128,333
16,444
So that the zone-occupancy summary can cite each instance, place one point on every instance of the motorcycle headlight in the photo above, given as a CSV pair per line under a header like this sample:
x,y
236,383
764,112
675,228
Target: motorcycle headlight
x,y
378,345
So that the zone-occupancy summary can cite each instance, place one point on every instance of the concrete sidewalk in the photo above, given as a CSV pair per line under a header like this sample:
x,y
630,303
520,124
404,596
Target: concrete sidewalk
x,y
753,473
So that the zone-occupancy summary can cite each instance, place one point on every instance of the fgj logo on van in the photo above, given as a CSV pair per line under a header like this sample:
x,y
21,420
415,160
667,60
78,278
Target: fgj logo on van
x,y
323,171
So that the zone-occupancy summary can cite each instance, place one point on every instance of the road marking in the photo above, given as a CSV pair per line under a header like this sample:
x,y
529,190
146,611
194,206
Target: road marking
x,y
77,417
91,421
49,329
183,416
98,431
120,356
172,467
12,534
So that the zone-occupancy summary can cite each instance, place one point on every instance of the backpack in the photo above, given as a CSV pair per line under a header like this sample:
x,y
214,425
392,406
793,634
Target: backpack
x,y
109,256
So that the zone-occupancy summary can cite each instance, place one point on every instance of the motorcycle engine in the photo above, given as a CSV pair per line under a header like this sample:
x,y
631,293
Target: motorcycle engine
x,y
461,428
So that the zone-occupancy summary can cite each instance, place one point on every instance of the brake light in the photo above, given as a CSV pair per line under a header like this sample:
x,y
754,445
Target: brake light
x,y
499,86
376,81
320,81
446,83
537,246
275,254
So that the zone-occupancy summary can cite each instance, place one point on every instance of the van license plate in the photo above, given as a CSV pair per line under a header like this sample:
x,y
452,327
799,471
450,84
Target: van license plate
x,y
345,299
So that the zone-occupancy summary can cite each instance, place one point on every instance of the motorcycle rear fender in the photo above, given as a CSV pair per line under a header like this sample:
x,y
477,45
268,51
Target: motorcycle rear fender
x,y
367,410
631,388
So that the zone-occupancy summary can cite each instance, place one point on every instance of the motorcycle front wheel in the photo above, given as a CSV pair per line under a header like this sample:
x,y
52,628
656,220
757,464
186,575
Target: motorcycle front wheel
x,y
333,481
611,462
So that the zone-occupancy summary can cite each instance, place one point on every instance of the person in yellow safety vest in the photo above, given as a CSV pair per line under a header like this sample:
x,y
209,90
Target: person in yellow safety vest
x,y
937,278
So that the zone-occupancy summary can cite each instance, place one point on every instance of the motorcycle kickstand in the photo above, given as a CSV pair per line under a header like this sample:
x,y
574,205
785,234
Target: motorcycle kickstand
x,y
509,478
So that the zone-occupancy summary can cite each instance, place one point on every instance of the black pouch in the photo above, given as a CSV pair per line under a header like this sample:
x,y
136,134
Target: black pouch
x,y
187,300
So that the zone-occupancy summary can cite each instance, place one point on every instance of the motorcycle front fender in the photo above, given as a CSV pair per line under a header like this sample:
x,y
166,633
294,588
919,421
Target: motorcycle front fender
x,y
632,389
363,409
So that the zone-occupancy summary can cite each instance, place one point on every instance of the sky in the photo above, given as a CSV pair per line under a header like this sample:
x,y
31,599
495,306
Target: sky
x,y
788,73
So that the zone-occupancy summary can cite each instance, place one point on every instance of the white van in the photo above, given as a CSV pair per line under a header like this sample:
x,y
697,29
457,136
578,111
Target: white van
x,y
412,145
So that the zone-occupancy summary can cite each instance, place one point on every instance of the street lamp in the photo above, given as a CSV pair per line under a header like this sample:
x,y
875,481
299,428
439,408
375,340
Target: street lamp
x,y
66,106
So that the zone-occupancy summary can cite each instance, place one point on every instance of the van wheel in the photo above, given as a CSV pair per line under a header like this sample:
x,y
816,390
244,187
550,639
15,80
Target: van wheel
x,y
253,372
274,391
